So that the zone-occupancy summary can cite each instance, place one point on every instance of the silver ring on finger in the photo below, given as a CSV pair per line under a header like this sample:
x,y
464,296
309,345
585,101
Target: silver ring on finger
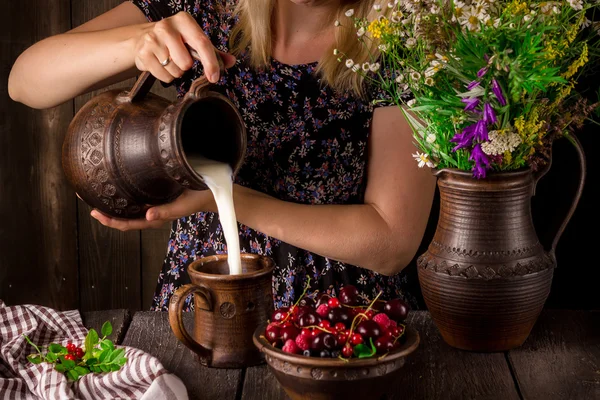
x,y
165,62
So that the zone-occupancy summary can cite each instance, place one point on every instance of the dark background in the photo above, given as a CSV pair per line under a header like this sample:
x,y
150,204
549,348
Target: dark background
x,y
53,253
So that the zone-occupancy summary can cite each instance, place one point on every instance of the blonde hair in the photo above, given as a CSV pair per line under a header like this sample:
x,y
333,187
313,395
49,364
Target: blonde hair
x,y
253,33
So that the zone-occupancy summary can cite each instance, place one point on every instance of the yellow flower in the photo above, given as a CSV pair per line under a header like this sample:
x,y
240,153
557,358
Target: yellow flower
x,y
379,27
580,62
517,7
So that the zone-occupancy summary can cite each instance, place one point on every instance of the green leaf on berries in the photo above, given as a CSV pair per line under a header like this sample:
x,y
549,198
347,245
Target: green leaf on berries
x,y
69,364
107,344
81,370
103,355
60,368
104,368
35,358
106,328
364,351
90,341
72,374
116,355
115,367
56,348
51,357
91,361
122,361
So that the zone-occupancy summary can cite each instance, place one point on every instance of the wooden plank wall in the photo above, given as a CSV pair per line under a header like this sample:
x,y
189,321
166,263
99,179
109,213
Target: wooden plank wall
x,y
53,253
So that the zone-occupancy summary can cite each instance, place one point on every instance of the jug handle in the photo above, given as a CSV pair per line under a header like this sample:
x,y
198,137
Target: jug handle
x,y
144,83
582,174
175,317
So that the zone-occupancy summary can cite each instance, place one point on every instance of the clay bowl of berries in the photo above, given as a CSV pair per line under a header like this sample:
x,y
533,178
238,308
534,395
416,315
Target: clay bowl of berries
x,y
335,348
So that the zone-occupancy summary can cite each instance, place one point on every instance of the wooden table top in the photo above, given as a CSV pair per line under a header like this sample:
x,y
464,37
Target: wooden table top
x,y
560,360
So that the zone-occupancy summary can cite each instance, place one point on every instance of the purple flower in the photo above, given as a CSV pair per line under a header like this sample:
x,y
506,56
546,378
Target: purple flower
x,y
481,132
489,116
465,138
498,92
481,161
471,103
473,85
482,72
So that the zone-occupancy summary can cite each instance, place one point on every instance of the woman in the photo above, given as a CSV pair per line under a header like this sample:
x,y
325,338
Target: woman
x,y
328,188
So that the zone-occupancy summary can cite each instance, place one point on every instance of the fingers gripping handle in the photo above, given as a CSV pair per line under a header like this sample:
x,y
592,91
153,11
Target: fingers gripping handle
x,y
176,321
144,83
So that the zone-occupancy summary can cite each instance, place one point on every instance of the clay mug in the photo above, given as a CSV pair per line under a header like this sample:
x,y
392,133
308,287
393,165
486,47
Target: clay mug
x,y
127,150
227,309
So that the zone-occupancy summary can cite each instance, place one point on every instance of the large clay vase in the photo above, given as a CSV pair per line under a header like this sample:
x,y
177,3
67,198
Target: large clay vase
x,y
127,150
485,276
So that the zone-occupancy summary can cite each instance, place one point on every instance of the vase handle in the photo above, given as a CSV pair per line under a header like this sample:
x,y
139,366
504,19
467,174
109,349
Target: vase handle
x,y
582,174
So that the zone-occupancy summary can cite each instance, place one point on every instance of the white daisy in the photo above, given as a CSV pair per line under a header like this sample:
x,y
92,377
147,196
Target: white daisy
x,y
349,63
349,13
423,160
366,66
377,7
429,81
415,76
374,67
410,43
430,138
360,32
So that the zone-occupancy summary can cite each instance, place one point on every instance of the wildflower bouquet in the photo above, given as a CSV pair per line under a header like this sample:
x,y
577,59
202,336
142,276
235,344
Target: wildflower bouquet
x,y
490,83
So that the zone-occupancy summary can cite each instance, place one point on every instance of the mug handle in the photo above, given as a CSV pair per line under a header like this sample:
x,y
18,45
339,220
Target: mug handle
x,y
582,174
144,83
175,318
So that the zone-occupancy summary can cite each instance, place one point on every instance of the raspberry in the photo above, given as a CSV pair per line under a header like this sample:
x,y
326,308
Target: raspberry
x,y
323,310
303,342
290,347
382,320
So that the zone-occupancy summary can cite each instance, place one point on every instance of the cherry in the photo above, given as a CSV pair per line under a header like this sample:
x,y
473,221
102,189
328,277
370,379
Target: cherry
x,y
378,306
396,330
340,326
333,302
322,299
330,341
370,314
347,351
306,332
308,318
307,301
70,347
315,332
342,315
289,332
280,314
356,339
342,337
325,354
273,332
396,309
70,357
384,344
348,295
318,343
286,324
368,329
325,324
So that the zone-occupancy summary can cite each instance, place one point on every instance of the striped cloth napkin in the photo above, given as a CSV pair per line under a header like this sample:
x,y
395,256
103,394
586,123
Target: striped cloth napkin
x,y
142,377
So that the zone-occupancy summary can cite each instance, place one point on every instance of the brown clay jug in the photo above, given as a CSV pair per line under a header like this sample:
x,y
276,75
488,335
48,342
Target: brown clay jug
x,y
227,309
127,150
485,276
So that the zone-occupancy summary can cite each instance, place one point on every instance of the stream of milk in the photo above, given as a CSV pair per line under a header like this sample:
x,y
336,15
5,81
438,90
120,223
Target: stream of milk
x,y
218,177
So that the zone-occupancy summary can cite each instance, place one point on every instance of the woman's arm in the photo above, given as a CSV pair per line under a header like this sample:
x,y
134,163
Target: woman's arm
x,y
108,49
381,235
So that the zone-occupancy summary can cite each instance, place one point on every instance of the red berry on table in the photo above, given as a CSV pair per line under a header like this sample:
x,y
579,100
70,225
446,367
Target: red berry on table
x,y
333,302
70,357
303,342
308,318
396,331
325,324
286,324
368,329
340,326
317,343
79,353
347,351
370,314
348,295
356,339
339,314
396,309
382,320
290,346
392,323
306,332
70,347
342,337
315,332
323,310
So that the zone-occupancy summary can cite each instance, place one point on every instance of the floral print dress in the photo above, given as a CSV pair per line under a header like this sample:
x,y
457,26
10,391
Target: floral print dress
x,y
306,144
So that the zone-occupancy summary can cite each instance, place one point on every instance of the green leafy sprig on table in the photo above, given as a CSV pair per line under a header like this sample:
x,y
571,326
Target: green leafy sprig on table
x,y
100,355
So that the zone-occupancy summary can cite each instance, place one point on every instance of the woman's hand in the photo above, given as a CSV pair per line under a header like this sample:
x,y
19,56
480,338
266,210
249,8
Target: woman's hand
x,y
162,51
188,203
